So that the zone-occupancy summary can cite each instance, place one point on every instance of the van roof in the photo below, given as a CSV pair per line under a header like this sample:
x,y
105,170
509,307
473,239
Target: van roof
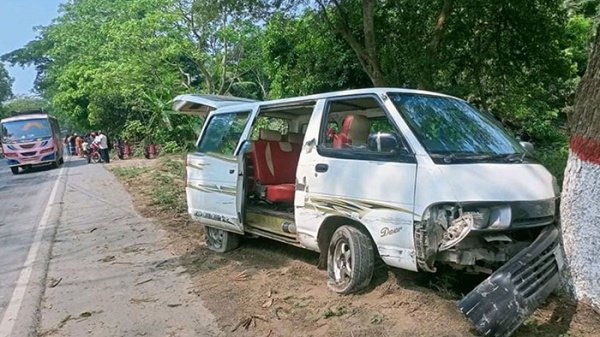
x,y
350,93
199,104
25,117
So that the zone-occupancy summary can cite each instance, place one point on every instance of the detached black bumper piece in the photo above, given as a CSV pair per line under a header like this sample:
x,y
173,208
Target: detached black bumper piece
x,y
505,299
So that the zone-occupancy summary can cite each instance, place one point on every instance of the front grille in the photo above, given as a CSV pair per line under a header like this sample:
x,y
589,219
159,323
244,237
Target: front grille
x,y
28,154
534,275
533,208
26,146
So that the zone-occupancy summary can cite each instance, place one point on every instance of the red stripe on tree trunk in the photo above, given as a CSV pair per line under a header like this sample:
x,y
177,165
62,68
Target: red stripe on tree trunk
x,y
587,149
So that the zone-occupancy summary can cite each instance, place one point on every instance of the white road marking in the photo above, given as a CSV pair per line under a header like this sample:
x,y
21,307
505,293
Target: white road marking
x,y
10,316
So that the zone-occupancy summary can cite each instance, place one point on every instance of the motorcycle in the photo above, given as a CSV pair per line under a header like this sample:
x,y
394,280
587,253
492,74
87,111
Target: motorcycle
x,y
92,154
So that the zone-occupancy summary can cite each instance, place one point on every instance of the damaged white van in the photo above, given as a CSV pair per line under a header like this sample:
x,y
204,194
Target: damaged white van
x,y
414,178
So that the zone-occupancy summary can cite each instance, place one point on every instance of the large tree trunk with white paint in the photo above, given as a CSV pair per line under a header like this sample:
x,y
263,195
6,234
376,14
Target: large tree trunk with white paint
x,y
580,205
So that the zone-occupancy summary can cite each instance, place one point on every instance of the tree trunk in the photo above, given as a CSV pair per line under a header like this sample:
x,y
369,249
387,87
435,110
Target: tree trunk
x,y
372,61
367,55
426,80
580,205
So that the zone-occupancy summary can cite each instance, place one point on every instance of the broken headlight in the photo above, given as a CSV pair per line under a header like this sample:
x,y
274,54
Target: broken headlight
x,y
481,218
495,217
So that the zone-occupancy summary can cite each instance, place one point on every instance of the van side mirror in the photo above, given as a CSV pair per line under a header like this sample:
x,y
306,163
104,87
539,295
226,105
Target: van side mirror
x,y
385,142
246,144
528,147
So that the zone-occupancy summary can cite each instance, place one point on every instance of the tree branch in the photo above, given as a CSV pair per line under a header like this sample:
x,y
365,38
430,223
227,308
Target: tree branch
x,y
431,50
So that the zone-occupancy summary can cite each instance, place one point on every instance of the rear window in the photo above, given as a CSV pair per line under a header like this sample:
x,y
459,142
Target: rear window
x,y
270,123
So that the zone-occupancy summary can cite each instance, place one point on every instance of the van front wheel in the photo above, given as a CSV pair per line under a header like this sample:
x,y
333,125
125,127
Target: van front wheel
x,y
221,241
350,260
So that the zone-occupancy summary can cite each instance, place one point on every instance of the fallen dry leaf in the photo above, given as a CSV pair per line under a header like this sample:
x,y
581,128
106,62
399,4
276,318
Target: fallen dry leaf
x,y
268,303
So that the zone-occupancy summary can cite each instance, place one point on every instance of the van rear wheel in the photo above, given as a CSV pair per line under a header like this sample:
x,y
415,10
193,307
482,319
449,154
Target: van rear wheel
x,y
350,260
221,241
14,170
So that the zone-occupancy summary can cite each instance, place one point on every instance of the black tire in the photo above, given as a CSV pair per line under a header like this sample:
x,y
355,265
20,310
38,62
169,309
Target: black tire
x,y
14,170
221,241
96,158
61,161
350,260
54,164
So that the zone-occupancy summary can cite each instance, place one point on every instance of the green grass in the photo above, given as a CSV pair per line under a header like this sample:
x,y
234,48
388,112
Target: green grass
x,y
165,182
169,192
376,319
328,313
130,172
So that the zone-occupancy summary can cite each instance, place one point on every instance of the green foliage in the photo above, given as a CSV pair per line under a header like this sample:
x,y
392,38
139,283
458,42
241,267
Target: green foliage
x,y
26,103
268,123
5,89
171,147
554,158
5,84
135,131
302,57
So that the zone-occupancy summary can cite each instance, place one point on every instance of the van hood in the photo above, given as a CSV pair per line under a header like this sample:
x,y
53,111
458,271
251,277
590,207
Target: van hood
x,y
498,182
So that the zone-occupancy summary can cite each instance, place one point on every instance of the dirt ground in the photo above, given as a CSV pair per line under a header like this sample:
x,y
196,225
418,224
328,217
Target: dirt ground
x,y
266,288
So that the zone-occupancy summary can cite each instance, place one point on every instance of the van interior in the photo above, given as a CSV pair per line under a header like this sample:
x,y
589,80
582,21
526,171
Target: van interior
x,y
272,160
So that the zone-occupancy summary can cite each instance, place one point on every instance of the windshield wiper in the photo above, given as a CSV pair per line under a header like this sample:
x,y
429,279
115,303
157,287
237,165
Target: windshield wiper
x,y
448,159
515,157
461,155
511,158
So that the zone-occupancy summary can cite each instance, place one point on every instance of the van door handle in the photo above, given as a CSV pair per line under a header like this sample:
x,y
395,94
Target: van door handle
x,y
321,168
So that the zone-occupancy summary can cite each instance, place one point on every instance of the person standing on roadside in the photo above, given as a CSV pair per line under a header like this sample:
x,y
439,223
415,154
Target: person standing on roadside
x,y
72,144
66,144
102,142
79,145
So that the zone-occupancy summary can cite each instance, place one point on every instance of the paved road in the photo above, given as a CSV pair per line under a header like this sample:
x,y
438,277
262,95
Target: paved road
x,y
77,224
23,199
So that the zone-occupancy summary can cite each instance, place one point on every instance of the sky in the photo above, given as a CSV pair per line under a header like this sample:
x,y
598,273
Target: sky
x,y
17,21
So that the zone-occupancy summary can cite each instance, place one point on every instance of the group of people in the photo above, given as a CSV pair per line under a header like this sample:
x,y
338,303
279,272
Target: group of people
x,y
80,145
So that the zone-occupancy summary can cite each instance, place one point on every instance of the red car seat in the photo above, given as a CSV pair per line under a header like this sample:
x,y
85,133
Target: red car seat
x,y
275,164
355,131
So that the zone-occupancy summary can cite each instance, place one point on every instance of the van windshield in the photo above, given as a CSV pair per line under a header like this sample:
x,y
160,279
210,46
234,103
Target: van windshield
x,y
24,130
447,126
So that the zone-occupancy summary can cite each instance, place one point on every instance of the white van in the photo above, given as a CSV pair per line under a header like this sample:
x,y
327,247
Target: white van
x,y
414,178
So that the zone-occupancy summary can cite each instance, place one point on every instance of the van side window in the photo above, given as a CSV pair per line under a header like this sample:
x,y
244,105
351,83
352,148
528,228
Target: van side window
x,y
269,123
223,133
366,131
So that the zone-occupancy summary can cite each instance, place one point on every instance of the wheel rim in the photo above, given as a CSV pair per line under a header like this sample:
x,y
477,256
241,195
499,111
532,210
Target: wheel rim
x,y
215,237
342,262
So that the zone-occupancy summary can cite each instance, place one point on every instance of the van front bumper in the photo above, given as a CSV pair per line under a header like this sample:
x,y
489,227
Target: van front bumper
x,y
505,299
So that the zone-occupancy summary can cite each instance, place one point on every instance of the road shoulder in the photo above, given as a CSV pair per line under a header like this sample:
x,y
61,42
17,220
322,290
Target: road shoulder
x,y
110,272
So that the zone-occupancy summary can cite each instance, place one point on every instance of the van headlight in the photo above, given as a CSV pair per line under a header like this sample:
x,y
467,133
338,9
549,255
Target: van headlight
x,y
493,217
481,218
